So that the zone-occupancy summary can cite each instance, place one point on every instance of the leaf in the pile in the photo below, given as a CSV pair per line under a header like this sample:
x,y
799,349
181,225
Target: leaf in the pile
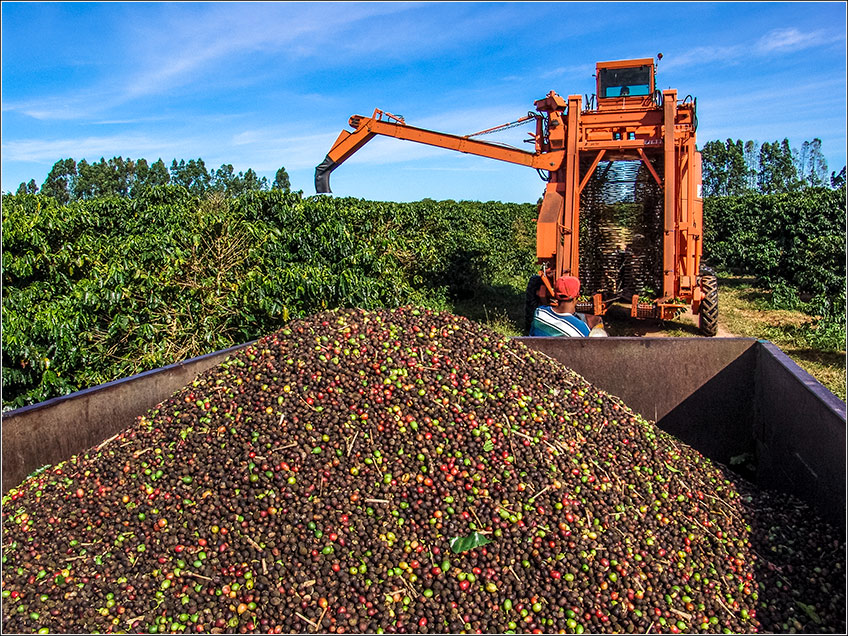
x,y
741,459
463,544
810,611
488,445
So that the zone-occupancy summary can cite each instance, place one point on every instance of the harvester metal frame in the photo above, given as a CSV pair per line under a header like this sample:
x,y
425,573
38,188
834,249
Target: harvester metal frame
x,y
618,124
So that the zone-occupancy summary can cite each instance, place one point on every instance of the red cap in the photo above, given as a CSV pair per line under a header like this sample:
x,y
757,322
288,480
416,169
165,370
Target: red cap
x,y
567,287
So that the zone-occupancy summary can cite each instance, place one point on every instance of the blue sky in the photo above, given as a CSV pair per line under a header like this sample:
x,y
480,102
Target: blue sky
x,y
271,84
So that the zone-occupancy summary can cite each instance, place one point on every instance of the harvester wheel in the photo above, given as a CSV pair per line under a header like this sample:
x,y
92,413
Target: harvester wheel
x,y
708,312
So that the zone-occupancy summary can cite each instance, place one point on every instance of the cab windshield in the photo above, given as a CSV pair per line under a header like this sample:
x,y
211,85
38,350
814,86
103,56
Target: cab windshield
x,y
623,82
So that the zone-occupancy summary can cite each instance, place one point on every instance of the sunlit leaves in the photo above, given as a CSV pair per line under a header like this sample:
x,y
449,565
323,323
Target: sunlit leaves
x,y
113,286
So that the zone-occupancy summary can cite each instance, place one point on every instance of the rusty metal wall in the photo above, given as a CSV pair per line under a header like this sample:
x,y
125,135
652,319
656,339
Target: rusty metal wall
x,y
800,431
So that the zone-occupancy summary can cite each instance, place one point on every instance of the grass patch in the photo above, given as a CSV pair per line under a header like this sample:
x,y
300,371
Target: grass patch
x,y
746,310
500,309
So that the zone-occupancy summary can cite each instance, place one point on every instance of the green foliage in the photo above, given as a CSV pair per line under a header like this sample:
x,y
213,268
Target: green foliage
x,y
28,188
464,544
60,180
734,168
281,180
777,172
725,172
104,288
794,243
193,175
71,181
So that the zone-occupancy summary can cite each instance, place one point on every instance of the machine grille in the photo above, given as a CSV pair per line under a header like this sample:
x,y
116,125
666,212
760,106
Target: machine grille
x,y
621,230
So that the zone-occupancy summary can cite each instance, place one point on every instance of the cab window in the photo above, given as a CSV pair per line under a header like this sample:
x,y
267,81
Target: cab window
x,y
623,82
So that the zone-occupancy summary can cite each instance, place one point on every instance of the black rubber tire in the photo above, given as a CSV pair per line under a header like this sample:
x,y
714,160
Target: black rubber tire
x,y
708,312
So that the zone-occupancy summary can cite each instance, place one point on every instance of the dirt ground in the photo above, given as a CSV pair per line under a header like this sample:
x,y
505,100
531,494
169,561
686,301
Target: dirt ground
x,y
619,323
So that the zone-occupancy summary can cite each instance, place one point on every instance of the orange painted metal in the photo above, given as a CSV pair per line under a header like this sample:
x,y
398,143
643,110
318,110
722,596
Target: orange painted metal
x,y
670,192
367,128
652,127
568,235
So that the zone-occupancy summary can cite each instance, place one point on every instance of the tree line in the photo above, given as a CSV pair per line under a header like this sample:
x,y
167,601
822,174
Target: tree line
x,y
735,168
69,180
730,168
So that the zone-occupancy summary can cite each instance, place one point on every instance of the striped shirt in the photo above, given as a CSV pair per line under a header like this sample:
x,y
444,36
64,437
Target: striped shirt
x,y
546,322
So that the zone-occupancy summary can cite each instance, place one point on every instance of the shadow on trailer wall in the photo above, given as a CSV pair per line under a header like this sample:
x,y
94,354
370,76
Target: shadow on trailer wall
x,y
727,398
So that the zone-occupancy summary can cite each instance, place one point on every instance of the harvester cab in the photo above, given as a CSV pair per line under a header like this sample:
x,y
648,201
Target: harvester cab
x,y
622,207
629,78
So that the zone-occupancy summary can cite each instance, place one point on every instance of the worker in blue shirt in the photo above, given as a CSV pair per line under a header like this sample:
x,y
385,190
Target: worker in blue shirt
x,y
561,319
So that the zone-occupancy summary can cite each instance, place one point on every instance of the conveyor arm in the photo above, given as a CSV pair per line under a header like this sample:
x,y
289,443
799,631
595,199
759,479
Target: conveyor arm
x,y
365,128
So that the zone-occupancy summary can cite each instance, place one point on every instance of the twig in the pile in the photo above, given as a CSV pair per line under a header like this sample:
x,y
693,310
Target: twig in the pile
x,y
722,501
264,567
511,447
197,576
252,542
350,448
141,452
408,585
282,417
279,448
514,574
439,403
476,517
383,501
309,583
301,616
648,631
512,353
720,602
538,493
618,531
102,444
307,404
683,615
595,462
322,615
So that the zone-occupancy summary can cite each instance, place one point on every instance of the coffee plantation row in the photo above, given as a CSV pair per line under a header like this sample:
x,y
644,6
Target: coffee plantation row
x,y
101,289
793,243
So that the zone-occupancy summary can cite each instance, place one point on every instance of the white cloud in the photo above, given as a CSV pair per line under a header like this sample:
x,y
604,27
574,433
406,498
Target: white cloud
x,y
49,150
702,55
580,71
791,39
777,41
184,46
